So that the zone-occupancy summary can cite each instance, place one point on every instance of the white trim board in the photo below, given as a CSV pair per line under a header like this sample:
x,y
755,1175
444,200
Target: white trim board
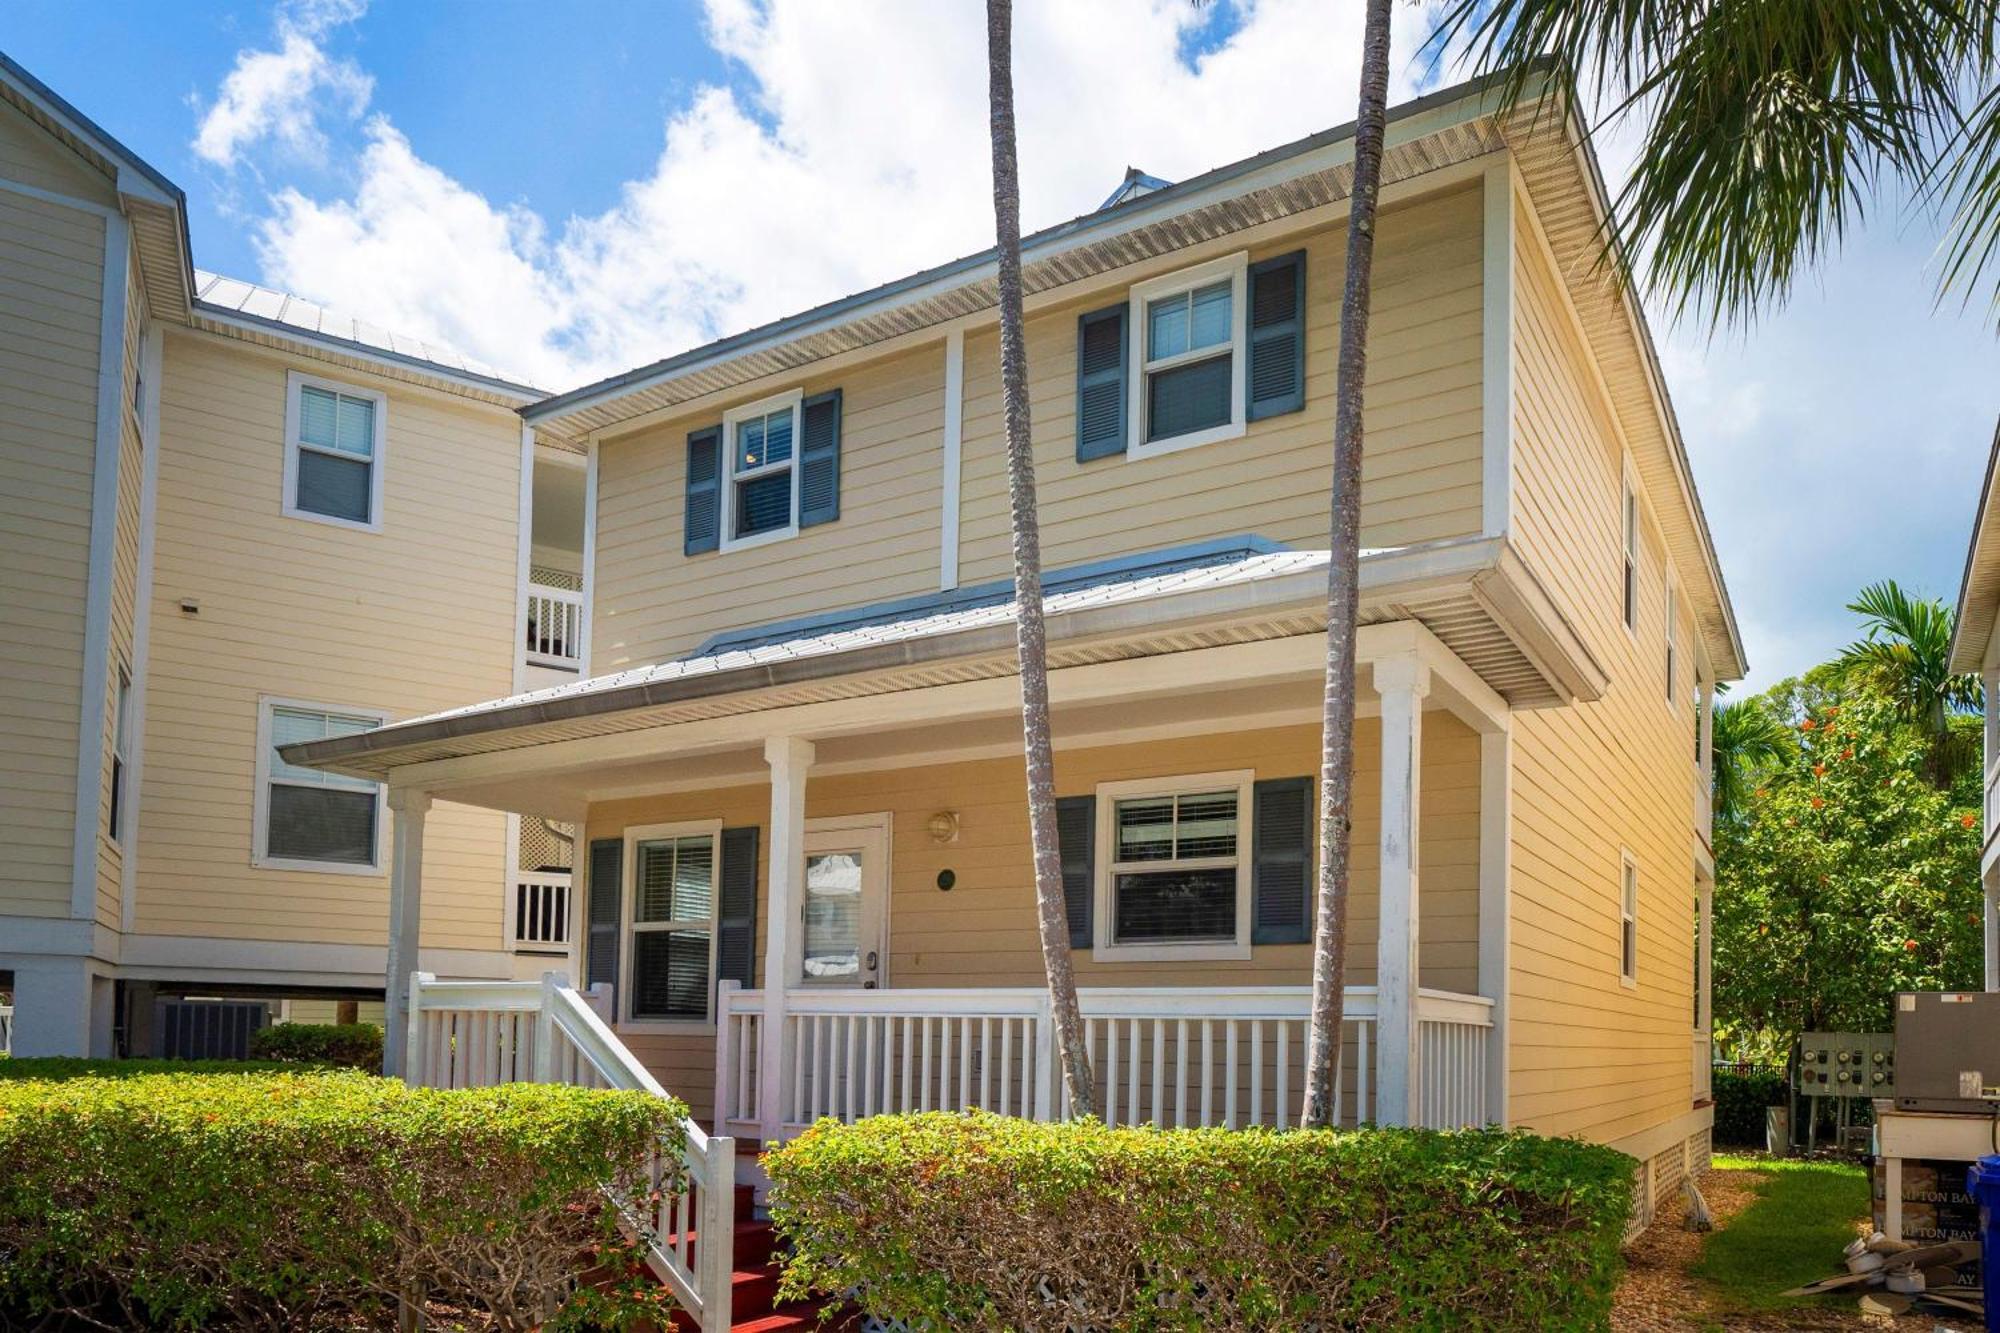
x,y
954,460
96,665
150,367
1497,349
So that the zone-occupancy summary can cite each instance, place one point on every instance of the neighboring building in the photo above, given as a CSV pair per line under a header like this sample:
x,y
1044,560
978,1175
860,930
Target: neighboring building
x,y
1975,647
230,519
797,769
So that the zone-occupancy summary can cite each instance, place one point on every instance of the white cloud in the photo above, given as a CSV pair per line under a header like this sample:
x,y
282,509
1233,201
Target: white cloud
x,y
279,95
858,153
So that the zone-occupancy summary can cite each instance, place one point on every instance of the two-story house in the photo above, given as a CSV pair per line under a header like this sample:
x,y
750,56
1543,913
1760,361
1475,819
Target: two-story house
x,y
795,759
231,520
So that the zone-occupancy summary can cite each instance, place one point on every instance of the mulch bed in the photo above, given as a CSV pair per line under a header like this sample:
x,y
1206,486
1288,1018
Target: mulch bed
x,y
1659,1293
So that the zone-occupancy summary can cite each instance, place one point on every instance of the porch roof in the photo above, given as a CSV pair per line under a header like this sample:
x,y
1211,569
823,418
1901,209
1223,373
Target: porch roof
x,y
1474,595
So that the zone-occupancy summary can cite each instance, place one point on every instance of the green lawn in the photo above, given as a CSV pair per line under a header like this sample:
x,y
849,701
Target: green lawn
x,y
1805,1213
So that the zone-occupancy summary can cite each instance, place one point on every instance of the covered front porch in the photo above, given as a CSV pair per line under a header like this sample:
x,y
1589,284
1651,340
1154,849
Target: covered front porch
x,y
810,891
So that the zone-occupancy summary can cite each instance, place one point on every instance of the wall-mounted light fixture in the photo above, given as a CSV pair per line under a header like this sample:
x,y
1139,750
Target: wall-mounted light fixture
x,y
944,827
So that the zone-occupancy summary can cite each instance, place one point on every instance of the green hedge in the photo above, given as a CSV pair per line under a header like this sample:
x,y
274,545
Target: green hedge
x,y
981,1222
58,1068
1740,1101
343,1045
304,1199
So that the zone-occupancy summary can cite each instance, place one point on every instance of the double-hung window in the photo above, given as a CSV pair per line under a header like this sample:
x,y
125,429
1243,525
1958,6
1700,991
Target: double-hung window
x,y
1188,338
307,818
1176,880
760,499
672,923
334,442
1673,656
1630,550
121,750
1628,921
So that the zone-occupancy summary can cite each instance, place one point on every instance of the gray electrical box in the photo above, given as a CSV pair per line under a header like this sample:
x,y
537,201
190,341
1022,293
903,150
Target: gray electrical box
x,y
1948,1051
1847,1064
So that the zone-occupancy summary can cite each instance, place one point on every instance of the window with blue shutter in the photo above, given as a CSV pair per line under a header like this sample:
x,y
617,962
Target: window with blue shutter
x,y
606,891
736,909
1276,382
704,490
819,459
1100,383
1076,836
1281,862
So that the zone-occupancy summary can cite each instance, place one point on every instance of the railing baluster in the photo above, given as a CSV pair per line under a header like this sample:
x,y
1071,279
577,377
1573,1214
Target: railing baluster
x,y
1180,1073
1256,1071
909,1059
944,1063
1111,1071
965,1063
1229,1074
1132,1063
1160,1072
924,1098
1006,1064
986,1062
1207,1073
1284,1071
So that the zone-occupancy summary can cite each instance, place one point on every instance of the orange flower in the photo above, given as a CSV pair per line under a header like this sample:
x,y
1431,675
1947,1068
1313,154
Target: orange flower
x,y
1831,710
1819,770
1909,946
1807,725
1967,821
1762,792
1818,804
1848,753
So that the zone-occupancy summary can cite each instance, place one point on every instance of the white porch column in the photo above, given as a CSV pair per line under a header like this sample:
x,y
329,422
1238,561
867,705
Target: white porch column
x,y
1402,682
789,758
1989,866
1496,850
406,905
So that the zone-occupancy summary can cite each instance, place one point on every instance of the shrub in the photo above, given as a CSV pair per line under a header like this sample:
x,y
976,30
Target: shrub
x,y
342,1045
298,1199
982,1222
59,1068
1740,1099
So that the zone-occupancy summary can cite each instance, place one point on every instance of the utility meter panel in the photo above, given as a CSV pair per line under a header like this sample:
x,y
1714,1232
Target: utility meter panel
x,y
1847,1064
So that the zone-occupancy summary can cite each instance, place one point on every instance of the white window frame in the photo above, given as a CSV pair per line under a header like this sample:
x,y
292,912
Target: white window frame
x,y
628,925
795,400
298,380
1628,521
1628,917
1673,663
1236,268
118,810
261,802
1104,946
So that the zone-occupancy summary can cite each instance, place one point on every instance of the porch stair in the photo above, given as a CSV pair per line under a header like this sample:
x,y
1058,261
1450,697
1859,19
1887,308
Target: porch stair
x,y
753,1283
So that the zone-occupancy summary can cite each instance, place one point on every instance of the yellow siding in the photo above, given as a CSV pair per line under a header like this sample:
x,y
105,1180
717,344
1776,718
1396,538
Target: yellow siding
x,y
1590,1055
51,280
30,155
416,618
124,594
1423,466
982,933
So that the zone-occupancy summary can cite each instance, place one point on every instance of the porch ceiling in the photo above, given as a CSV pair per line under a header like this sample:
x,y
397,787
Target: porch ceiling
x,y
1183,640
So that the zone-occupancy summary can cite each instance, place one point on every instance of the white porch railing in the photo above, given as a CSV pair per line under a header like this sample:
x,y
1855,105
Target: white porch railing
x,y
476,1034
542,903
1174,1058
553,619
6,1029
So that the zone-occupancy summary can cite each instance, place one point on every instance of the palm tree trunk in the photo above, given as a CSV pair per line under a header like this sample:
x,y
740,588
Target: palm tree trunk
x,y
1343,579
1032,637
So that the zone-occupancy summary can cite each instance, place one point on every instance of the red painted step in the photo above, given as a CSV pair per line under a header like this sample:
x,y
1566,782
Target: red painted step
x,y
753,1288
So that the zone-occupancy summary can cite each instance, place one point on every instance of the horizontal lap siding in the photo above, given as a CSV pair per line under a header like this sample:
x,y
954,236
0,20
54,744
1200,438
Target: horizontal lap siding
x,y
1590,1056
416,618
31,155
1422,468
51,281
982,932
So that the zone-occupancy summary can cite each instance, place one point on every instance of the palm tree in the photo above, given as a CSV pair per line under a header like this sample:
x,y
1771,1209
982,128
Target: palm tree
x,y
1905,651
1343,583
1768,124
1031,637
1745,741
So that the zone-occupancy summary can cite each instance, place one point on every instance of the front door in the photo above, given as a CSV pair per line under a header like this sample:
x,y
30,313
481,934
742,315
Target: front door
x,y
843,942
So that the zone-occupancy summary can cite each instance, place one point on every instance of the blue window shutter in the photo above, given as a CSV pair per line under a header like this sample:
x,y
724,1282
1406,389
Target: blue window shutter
x,y
1100,383
1076,837
703,530
1281,862
1276,382
607,887
736,908
819,459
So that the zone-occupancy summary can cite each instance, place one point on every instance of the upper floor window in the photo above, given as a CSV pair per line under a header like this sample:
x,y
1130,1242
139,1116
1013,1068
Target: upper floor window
x,y
770,469
1176,880
1188,331
334,443
1673,654
307,818
121,750
1630,549
1628,921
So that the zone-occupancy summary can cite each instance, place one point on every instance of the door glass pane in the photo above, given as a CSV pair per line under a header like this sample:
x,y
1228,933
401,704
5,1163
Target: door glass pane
x,y
833,916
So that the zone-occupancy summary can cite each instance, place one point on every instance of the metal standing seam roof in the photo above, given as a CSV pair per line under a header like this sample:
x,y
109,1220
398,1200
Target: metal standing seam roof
x,y
1165,574
285,313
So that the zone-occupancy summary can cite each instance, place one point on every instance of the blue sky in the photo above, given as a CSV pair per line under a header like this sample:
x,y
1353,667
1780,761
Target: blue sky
x,y
565,190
